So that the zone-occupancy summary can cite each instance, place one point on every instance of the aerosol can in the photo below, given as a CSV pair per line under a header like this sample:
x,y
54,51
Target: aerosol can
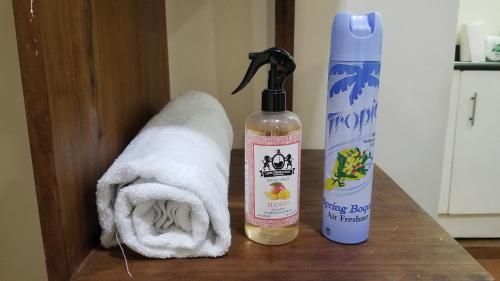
x,y
353,81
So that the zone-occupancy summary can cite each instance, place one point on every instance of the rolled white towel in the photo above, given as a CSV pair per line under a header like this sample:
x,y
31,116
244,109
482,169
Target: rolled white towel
x,y
166,194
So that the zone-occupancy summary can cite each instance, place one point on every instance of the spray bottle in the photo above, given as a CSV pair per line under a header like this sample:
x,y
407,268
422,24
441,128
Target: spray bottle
x,y
272,156
353,80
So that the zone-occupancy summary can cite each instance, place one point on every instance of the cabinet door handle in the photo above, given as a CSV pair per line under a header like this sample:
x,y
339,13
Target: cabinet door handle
x,y
474,102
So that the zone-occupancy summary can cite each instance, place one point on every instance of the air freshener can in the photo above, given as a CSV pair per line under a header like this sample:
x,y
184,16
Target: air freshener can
x,y
352,102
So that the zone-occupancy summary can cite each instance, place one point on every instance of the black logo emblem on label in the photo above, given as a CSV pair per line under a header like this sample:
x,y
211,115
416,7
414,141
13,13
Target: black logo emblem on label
x,y
278,162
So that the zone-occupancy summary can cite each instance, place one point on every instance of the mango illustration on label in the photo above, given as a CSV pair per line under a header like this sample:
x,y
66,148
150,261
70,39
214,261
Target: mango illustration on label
x,y
278,191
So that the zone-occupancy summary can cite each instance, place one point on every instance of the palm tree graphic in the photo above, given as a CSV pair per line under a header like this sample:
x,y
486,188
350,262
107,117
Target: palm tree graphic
x,y
356,76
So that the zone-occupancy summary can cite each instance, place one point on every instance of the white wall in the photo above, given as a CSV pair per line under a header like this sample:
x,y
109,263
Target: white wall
x,y
487,11
313,23
417,59
208,54
208,44
21,248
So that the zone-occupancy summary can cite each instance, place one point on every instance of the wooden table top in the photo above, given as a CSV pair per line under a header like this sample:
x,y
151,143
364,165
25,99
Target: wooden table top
x,y
405,244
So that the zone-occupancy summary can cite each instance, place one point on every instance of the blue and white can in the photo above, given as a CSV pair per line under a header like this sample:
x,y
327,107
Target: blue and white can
x,y
353,81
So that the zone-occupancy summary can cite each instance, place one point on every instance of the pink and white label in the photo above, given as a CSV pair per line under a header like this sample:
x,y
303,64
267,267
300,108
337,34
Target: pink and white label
x,y
272,173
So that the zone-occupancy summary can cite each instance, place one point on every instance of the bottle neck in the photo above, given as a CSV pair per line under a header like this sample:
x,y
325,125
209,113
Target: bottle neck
x,y
273,100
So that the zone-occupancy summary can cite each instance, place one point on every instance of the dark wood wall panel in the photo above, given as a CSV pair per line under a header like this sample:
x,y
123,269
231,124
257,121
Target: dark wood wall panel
x,y
93,73
284,37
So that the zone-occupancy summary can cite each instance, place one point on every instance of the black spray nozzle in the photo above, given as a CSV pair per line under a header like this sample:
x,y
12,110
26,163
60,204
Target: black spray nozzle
x,y
282,65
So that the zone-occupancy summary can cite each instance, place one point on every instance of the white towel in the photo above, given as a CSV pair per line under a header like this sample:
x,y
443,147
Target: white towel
x,y
166,194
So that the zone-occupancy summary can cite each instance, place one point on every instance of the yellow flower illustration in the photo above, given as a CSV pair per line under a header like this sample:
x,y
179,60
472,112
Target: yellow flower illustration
x,y
350,165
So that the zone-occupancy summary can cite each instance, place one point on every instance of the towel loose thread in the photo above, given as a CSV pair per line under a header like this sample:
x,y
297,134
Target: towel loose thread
x,y
173,179
123,254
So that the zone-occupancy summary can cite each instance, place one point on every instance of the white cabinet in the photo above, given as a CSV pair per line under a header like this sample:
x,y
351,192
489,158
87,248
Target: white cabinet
x,y
470,195
475,174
